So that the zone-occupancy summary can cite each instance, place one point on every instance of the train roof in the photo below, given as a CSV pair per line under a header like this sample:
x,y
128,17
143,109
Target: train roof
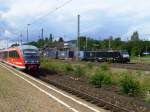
x,y
107,51
22,47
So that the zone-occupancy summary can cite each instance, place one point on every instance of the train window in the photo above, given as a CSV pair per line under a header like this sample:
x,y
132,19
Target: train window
x,y
16,54
5,54
106,54
30,52
13,54
124,52
10,54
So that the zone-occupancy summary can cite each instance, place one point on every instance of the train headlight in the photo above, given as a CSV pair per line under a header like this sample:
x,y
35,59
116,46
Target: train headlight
x,y
125,55
19,63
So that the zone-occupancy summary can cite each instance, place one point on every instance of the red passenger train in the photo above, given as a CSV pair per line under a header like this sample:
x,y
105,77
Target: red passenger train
x,y
21,57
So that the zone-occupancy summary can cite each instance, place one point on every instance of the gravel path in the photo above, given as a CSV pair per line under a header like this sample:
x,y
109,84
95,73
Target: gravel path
x,y
18,96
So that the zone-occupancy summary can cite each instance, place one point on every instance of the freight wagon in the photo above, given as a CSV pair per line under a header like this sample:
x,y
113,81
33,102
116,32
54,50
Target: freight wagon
x,y
100,56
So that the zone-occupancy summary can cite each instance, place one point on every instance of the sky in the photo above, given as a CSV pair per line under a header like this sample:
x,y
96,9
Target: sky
x,y
99,19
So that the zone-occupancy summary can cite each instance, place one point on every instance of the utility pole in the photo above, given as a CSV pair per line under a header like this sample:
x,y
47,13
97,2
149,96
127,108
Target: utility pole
x,y
146,47
110,38
28,32
42,33
42,36
21,39
109,44
86,43
7,43
51,37
78,36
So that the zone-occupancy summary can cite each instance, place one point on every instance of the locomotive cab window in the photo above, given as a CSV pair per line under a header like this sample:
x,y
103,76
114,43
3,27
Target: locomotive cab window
x,y
30,52
13,54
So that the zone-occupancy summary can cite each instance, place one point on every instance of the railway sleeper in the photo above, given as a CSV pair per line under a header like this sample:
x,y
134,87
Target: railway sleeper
x,y
98,102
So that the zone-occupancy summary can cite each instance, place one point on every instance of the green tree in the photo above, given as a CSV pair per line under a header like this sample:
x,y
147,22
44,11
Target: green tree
x,y
135,36
14,45
50,38
117,43
105,44
46,39
60,39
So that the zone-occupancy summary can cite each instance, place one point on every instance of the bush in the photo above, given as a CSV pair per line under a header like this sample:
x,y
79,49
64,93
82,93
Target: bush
x,y
107,78
89,65
52,65
100,78
130,86
44,60
147,98
78,71
135,51
104,67
145,81
68,68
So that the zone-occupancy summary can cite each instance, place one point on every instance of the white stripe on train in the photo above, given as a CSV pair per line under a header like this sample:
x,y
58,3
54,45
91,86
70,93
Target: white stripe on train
x,y
20,67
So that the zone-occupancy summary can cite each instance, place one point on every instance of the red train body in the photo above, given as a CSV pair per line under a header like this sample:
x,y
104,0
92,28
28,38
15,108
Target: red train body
x,y
21,57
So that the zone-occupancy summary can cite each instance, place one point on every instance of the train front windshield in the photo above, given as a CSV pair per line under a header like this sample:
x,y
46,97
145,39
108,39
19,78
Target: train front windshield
x,y
30,54
125,54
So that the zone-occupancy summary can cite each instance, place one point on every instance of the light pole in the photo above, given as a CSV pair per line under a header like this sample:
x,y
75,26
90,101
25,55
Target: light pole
x,y
146,47
86,43
78,37
28,32
7,43
21,39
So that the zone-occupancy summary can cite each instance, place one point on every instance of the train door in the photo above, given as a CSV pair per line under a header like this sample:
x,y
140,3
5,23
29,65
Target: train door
x,y
15,58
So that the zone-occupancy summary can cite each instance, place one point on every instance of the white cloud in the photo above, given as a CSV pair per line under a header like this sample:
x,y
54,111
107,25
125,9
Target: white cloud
x,y
144,30
129,15
7,33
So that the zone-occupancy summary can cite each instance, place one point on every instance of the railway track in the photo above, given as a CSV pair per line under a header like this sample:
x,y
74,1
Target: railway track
x,y
94,100
132,66
99,102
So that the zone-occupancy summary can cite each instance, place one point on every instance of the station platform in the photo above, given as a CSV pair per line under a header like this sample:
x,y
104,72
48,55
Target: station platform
x,y
26,95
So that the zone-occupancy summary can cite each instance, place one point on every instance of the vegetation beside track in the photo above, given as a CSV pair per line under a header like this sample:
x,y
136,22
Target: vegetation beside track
x,y
143,59
130,82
